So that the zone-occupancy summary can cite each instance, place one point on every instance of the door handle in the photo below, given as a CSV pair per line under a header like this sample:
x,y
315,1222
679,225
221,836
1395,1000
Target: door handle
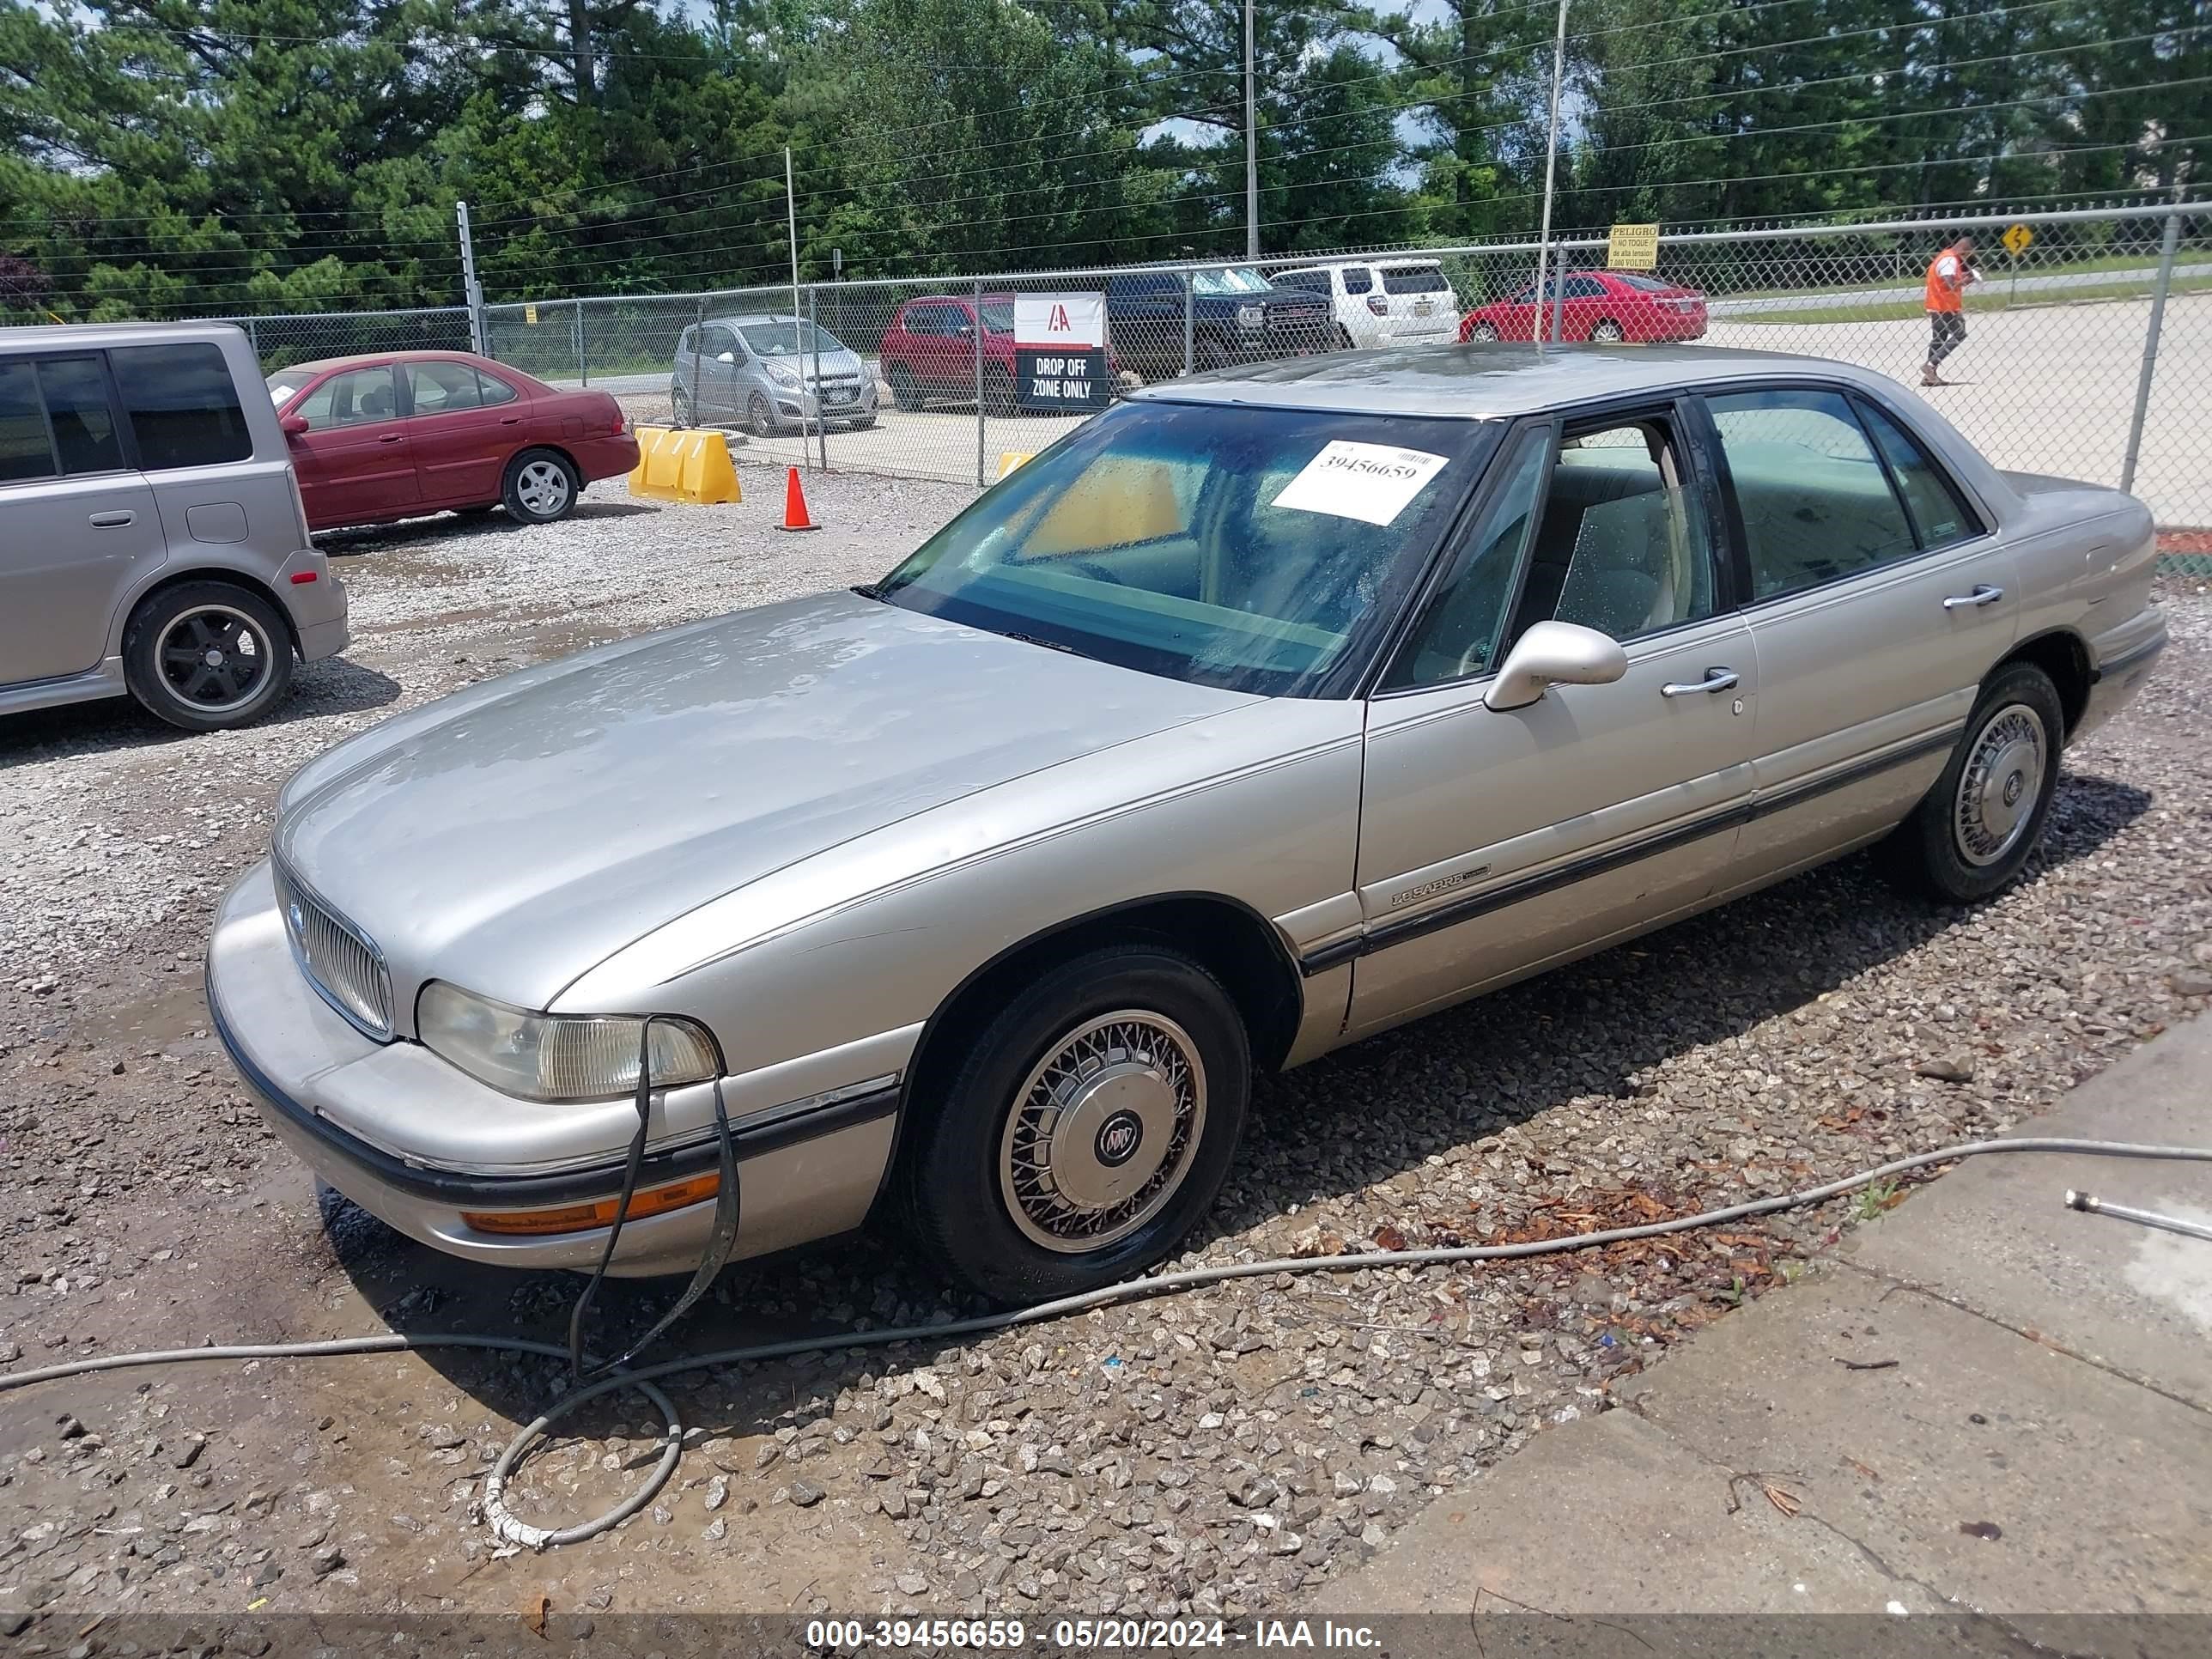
x,y
510,420
390,438
1982,594
1715,679
113,520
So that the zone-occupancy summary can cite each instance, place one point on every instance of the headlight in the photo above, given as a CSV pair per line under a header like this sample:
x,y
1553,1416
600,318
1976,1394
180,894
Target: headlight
x,y
781,376
556,1057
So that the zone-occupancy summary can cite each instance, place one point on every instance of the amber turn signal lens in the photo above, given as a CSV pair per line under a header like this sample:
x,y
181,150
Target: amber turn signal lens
x,y
584,1217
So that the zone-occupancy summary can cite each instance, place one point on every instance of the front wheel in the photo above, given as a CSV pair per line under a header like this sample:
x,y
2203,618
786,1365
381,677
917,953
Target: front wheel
x,y
206,656
1485,334
540,487
760,418
1607,332
1087,1128
1978,826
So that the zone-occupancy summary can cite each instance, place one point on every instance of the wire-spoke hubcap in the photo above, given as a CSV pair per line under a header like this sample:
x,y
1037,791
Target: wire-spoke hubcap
x,y
1103,1131
2000,786
543,488
213,657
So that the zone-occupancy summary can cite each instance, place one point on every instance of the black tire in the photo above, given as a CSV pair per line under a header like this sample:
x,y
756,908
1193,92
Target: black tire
x,y
1484,334
906,392
861,423
541,487
760,415
1340,338
998,399
959,1165
1979,825
1209,354
1606,331
167,641
679,405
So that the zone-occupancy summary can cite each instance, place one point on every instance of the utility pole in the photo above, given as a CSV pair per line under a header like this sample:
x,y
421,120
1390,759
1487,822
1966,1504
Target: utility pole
x,y
472,293
1551,167
791,211
579,50
1252,145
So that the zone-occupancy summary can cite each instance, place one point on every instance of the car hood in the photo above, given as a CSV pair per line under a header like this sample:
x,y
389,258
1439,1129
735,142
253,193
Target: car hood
x,y
515,836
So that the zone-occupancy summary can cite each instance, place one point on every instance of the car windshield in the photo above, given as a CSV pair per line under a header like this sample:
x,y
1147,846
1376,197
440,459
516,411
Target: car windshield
x,y
999,316
783,339
1253,549
1243,280
285,386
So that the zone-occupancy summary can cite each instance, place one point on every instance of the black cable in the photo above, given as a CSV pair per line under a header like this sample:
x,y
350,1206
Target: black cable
x,y
719,1244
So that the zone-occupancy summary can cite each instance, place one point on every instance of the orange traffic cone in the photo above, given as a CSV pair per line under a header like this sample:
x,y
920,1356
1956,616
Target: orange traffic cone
x,y
794,506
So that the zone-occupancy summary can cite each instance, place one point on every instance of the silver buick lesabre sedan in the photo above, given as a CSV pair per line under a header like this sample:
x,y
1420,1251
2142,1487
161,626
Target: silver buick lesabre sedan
x,y
1262,713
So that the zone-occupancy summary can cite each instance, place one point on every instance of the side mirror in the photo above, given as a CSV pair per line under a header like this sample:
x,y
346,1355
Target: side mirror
x,y
1555,654
294,425
727,357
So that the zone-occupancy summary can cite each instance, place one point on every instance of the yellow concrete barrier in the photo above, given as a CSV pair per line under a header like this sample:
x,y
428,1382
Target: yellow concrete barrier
x,y
1012,458
684,464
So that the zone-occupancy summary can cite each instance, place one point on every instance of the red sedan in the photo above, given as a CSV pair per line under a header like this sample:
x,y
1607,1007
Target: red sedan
x,y
390,435
1605,305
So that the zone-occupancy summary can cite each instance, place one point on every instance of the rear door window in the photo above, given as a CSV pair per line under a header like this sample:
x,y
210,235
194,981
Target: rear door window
x,y
490,390
1358,279
182,405
1940,512
1414,279
77,410
25,451
441,388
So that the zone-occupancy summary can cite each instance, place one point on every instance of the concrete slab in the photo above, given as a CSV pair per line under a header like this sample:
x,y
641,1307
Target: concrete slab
x,y
1617,1515
2020,1448
2001,1474
1992,1236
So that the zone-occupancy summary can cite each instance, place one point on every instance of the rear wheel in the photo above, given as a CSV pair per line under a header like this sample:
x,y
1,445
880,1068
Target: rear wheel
x,y
206,656
1210,354
541,486
1607,332
1086,1129
1340,338
1978,826
999,393
1484,333
906,390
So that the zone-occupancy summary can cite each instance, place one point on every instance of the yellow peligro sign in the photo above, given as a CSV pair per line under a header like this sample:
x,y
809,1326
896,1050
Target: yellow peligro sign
x,y
1633,247
2017,239
530,315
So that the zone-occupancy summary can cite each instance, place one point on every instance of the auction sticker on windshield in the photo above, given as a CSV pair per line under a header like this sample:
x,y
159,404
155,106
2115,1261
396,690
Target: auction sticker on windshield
x,y
1372,483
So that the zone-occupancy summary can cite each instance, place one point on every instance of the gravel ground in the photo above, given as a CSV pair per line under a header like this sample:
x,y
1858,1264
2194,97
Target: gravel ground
x,y
1218,1451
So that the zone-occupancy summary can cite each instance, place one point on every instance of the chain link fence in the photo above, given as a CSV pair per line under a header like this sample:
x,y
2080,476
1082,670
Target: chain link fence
x,y
2088,350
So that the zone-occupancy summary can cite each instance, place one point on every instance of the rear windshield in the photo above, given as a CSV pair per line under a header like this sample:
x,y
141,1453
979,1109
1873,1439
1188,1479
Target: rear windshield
x,y
1253,549
1648,284
1414,279
999,316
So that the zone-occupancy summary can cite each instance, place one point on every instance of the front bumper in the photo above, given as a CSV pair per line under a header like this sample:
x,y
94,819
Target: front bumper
x,y
804,1173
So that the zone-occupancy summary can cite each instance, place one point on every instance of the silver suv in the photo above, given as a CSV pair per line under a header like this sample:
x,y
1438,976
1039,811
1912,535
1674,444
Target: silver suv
x,y
152,540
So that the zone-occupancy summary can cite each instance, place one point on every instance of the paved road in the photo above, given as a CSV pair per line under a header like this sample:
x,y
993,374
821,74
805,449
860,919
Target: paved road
x,y
2040,389
1997,284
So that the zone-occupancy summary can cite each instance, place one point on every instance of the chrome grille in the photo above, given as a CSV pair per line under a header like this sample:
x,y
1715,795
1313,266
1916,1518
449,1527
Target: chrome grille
x,y
339,962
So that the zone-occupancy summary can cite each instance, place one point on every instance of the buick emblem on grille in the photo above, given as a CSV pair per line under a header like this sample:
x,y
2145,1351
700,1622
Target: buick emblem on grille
x,y
297,917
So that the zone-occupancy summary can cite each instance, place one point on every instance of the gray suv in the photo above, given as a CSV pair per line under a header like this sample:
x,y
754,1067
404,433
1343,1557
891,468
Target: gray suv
x,y
152,540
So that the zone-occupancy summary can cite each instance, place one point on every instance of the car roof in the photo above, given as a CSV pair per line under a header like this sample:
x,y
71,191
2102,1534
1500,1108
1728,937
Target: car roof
x,y
746,318
1489,382
1372,262
86,335
317,365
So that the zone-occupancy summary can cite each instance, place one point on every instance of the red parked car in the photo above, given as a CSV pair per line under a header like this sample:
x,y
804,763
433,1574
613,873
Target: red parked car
x,y
394,434
929,351
1605,305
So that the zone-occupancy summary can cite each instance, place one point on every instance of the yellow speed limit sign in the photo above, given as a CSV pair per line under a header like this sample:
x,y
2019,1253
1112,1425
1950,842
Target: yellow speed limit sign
x,y
2017,239
1633,247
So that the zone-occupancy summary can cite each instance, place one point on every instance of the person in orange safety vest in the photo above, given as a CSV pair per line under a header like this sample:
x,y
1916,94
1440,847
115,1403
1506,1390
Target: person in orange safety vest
x,y
1948,274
